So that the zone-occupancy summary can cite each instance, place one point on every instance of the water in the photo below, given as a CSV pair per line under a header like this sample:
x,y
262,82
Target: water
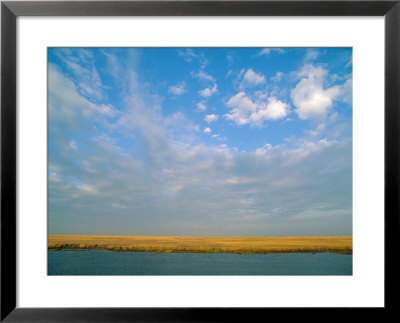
x,y
103,262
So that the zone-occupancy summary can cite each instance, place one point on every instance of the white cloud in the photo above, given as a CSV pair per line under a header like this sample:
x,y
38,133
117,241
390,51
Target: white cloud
x,y
264,51
85,75
320,212
242,107
73,145
261,95
107,110
201,107
311,55
262,151
349,61
208,91
89,189
188,54
175,182
229,58
267,51
310,97
68,106
274,110
88,166
306,147
252,78
277,77
53,177
211,118
178,89
347,91
204,76
318,130
245,111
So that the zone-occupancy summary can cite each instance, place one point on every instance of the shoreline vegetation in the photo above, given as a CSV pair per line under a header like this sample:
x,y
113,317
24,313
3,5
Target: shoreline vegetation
x,y
240,245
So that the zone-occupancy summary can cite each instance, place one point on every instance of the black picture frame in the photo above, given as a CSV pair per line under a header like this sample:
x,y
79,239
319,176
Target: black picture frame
x,y
10,10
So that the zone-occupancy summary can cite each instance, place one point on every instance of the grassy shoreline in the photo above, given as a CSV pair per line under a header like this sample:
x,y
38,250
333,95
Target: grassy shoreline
x,y
240,245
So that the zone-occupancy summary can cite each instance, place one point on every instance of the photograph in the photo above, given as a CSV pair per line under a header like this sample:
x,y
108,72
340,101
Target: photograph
x,y
193,161
199,161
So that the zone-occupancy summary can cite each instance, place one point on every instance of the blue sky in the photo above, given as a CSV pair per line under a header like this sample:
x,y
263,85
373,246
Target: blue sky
x,y
200,141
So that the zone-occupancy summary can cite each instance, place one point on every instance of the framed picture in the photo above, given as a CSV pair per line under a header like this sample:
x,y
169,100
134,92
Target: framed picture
x,y
175,160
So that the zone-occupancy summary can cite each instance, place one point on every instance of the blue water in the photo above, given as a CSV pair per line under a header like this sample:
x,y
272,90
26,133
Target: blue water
x,y
103,262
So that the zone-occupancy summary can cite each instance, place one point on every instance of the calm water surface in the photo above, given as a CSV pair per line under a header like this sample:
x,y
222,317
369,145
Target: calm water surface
x,y
103,262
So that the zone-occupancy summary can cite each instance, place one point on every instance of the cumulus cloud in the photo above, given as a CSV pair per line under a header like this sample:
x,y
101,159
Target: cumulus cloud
x,y
201,106
252,78
207,130
208,91
245,111
177,89
274,110
211,118
310,97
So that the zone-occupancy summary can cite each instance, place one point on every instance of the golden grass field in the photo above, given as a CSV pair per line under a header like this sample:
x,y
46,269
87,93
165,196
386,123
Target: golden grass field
x,y
242,245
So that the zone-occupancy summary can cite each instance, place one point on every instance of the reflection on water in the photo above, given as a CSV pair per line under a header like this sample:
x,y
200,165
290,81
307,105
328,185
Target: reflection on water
x,y
103,262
